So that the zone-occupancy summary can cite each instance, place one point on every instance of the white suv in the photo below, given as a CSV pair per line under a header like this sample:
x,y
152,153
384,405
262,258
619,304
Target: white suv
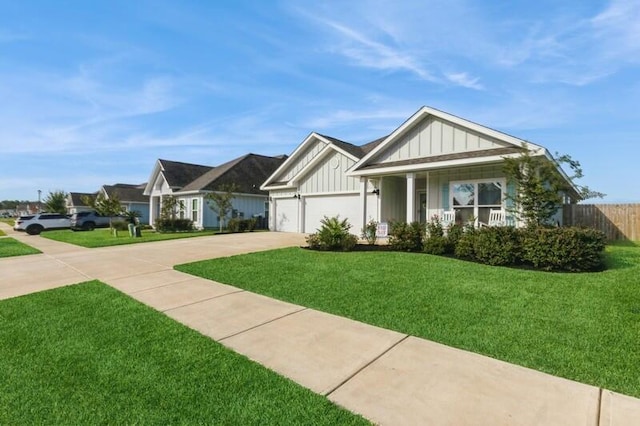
x,y
36,223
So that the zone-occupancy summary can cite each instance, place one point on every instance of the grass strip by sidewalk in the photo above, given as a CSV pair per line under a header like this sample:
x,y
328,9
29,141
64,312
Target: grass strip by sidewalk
x,y
87,354
2,233
8,221
579,326
103,237
12,247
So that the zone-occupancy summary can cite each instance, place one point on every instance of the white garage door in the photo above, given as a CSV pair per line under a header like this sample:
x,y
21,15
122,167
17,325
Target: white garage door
x,y
286,214
347,206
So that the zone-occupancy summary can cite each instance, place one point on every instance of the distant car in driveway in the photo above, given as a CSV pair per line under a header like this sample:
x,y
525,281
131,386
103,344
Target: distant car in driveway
x,y
36,223
90,220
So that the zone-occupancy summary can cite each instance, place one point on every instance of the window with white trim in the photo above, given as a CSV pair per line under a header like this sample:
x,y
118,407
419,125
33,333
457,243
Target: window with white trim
x,y
472,200
194,210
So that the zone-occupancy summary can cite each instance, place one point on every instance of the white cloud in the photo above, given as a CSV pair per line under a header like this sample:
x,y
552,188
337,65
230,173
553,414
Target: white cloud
x,y
373,54
617,28
464,80
341,117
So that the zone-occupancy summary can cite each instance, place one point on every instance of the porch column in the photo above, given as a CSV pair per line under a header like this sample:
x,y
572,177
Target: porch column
x,y
153,209
364,182
411,197
301,209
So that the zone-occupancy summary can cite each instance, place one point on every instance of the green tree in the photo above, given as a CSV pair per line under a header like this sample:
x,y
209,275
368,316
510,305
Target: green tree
x,y
221,201
105,206
540,186
56,202
170,206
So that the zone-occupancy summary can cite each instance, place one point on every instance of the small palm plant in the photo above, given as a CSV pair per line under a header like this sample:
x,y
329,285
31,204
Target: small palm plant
x,y
332,235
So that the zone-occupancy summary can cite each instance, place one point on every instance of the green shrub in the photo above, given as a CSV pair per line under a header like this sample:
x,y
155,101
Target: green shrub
x,y
464,246
370,232
241,225
435,245
173,225
434,240
454,233
406,236
564,249
499,245
434,228
237,225
333,235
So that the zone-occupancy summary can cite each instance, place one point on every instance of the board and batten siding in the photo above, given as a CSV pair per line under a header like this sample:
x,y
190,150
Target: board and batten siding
x,y
305,157
434,136
248,206
142,208
329,175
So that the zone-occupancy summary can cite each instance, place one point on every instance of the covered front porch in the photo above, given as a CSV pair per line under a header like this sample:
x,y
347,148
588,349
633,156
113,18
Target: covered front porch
x,y
470,192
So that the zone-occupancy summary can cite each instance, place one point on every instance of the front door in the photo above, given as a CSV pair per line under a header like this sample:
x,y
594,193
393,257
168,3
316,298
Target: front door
x,y
422,197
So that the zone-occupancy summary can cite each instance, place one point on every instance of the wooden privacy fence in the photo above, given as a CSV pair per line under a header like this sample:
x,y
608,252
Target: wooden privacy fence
x,y
617,221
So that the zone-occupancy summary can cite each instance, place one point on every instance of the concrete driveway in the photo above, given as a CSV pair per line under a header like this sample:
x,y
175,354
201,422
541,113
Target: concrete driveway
x,y
388,377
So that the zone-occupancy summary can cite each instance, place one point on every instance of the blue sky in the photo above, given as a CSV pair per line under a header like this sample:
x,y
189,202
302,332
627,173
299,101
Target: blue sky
x,y
92,93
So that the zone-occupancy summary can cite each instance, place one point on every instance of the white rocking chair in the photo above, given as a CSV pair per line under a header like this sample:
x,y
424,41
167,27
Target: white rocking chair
x,y
496,218
447,218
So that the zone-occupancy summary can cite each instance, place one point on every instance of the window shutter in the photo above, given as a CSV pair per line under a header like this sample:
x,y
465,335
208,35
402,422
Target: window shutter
x,y
511,191
445,196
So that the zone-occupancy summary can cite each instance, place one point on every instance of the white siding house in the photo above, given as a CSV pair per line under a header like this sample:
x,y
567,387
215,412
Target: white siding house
x,y
190,184
434,161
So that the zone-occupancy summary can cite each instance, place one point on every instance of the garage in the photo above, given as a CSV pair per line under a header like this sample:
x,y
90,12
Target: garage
x,y
286,214
346,206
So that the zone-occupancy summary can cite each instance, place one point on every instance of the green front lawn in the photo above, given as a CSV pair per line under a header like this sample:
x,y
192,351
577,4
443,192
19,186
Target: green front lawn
x,y
87,354
584,327
8,221
12,247
2,233
103,237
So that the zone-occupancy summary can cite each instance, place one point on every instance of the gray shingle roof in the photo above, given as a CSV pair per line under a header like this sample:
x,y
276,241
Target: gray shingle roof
x,y
76,198
127,192
179,174
247,172
357,151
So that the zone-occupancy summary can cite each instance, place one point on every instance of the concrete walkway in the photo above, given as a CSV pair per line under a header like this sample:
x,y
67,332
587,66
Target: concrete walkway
x,y
388,377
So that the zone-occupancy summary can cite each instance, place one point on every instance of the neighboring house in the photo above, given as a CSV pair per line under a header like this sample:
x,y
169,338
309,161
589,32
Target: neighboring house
x,y
433,162
28,208
75,203
190,183
132,198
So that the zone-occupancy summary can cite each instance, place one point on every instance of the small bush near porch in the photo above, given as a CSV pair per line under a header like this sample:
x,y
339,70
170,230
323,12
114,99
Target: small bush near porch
x,y
580,326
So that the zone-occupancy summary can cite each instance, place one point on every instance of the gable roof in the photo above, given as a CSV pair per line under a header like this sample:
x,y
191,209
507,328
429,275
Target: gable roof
x,y
246,172
425,111
75,198
127,192
354,151
178,174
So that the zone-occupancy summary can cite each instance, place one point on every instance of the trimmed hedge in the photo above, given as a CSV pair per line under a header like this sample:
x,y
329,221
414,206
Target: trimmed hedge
x,y
242,225
406,236
173,225
549,249
564,249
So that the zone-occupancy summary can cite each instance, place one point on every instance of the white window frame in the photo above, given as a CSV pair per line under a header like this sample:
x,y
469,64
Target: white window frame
x,y
195,210
502,181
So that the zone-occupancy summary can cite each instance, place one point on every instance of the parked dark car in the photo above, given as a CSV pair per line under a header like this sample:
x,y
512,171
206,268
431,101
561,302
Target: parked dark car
x,y
90,220
36,223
